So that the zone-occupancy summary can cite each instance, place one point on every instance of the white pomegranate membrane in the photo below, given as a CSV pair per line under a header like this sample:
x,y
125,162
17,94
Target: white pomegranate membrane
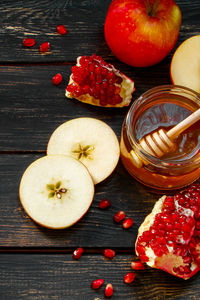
x,y
96,82
169,238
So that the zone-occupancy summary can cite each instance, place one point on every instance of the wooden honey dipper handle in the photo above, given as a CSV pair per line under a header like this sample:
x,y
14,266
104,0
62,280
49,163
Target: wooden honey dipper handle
x,y
161,142
183,125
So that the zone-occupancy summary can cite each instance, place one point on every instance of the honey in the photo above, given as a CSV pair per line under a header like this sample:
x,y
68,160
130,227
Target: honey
x,y
163,107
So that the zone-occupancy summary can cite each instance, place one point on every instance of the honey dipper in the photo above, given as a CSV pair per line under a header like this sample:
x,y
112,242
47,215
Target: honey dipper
x,y
162,142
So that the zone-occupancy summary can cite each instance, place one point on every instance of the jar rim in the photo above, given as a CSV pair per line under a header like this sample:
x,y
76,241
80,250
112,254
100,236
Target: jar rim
x,y
167,163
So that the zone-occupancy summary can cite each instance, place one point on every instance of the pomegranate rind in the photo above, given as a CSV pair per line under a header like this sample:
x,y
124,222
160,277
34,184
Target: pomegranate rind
x,y
127,89
169,261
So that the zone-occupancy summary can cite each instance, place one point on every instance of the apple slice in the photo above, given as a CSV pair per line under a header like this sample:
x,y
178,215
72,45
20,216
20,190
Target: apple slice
x,y
56,191
185,64
89,140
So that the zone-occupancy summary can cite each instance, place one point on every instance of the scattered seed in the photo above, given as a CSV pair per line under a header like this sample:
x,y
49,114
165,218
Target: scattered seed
x,y
108,290
56,80
61,29
118,217
28,42
127,223
137,265
104,204
96,284
109,253
44,47
78,253
129,277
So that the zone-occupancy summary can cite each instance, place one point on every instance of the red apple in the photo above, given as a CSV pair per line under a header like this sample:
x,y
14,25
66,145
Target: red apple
x,y
142,32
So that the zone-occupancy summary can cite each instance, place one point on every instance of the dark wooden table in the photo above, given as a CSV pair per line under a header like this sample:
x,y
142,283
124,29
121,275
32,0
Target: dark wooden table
x,y
36,263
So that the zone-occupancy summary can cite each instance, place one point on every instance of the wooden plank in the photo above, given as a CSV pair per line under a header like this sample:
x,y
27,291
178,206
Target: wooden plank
x,y
96,229
26,276
84,21
32,107
84,25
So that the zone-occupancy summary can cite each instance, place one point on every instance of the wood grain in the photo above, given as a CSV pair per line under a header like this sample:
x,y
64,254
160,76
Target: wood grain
x,y
84,21
36,263
32,107
31,277
84,36
95,230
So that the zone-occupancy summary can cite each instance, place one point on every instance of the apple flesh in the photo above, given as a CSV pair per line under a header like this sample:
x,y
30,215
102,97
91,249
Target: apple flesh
x,y
185,64
56,191
141,33
90,141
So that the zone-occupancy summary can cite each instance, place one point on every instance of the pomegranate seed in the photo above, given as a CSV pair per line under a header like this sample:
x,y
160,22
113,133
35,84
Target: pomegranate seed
x,y
137,265
109,290
129,277
109,253
97,70
98,79
118,80
187,270
96,284
78,91
61,29
111,90
86,89
103,103
110,76
105,203
71,87
127,223
28,42
140,249
118,217
78,253
144,258
44,47
187,259
57,79
91,67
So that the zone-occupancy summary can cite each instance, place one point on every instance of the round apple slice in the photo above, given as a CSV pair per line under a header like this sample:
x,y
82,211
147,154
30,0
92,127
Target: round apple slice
x,y
56,191
90,141
185,64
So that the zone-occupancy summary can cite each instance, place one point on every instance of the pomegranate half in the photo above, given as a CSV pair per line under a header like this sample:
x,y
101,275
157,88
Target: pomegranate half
x,y
96,82
169,237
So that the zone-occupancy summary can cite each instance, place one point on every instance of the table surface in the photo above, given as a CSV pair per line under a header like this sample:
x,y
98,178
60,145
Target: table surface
x,y
36,263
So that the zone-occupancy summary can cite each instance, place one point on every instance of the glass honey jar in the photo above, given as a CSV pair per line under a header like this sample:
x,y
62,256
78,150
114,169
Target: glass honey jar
x,y
162,107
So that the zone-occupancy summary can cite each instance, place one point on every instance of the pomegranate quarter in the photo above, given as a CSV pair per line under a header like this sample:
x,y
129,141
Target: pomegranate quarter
x,y
96,82
169,237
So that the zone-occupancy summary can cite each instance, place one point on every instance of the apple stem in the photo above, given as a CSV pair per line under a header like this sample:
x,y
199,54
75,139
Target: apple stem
x,y
148,7
152,9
